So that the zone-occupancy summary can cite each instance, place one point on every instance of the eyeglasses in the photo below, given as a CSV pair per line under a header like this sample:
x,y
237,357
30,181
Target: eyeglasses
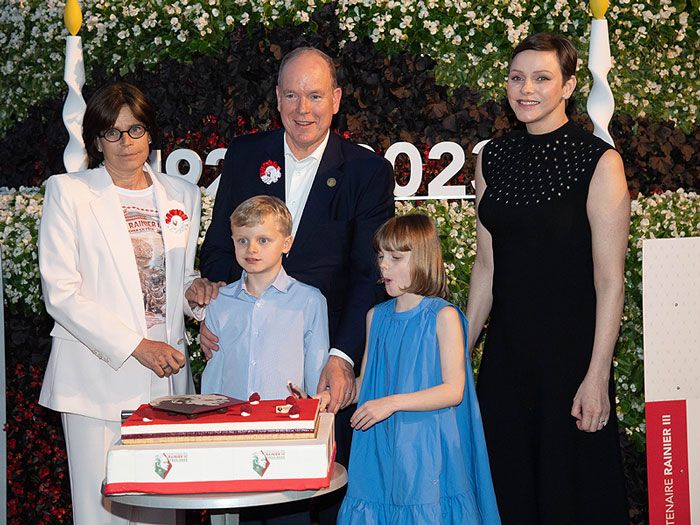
x,y
114,135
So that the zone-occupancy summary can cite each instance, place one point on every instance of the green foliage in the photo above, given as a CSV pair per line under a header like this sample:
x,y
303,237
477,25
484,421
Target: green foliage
x,y
654,44
20,212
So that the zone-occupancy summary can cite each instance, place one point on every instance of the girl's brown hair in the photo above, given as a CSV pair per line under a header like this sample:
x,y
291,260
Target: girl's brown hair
x,y
416,233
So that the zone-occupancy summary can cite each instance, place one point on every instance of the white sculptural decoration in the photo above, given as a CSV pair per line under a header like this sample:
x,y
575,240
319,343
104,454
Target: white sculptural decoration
x,y
601,103
74,156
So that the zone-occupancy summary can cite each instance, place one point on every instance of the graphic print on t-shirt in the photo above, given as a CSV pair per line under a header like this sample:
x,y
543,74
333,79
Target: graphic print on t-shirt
x,y
146,237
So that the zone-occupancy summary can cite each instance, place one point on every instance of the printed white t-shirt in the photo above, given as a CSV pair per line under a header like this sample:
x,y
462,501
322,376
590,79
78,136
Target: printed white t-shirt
x,y
143,223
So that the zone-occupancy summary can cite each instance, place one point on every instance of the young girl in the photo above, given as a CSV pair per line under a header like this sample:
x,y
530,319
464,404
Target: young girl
x,y
418,453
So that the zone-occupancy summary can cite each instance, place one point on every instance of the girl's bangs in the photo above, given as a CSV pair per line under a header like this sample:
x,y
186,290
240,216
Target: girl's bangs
x,y
393,237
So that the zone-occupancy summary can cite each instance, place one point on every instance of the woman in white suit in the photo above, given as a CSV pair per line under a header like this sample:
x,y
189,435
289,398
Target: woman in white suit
x,y
116,252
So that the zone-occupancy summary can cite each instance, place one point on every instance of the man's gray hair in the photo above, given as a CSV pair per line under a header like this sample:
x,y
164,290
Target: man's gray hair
x,y
297,52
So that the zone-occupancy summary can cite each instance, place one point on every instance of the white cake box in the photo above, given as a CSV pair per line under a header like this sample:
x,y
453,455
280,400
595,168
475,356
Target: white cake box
x,y
223,466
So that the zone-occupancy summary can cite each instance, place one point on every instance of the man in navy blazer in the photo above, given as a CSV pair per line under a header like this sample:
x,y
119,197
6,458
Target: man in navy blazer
x,y
339,194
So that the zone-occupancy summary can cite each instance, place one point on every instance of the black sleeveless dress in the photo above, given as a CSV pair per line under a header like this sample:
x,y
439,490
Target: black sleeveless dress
x,y
540,334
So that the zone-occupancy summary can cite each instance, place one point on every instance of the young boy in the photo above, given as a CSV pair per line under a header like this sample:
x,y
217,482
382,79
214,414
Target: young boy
x,y
272,329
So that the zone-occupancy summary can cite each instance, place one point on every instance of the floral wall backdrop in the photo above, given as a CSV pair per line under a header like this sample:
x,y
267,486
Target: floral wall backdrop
x,y
419,71
654,44
386,99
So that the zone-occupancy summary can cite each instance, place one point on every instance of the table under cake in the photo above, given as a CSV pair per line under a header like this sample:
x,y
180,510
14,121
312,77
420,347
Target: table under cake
x,y
230,503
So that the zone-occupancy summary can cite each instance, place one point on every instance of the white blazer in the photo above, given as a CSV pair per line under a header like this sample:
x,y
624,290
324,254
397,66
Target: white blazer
x,y
92,290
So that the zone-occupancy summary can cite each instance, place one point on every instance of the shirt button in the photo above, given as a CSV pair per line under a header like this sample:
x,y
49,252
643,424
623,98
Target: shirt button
x,y
252,363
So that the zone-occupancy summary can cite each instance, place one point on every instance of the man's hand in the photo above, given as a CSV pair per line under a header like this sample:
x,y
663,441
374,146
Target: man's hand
x,y
208,342
324,398
202,291
160,357
338,377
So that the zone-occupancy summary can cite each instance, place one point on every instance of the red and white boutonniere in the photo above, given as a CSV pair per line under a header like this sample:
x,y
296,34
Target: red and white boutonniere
x,y
270,172
176,220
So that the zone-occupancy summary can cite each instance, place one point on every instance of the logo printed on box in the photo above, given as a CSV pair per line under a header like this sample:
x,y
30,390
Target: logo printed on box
x,y
260,463
162,465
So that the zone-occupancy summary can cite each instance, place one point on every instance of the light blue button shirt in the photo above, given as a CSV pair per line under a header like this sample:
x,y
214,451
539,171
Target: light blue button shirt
x,y
268,340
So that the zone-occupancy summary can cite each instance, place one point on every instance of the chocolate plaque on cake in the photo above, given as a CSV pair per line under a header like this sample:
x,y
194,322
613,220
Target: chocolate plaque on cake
x,y
194,403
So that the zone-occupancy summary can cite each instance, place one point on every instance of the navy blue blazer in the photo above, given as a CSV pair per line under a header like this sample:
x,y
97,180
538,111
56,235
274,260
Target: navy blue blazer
x,y
351,196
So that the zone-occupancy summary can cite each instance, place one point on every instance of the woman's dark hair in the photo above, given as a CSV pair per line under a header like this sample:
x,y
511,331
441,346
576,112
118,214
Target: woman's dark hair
x,y
562,46
103,110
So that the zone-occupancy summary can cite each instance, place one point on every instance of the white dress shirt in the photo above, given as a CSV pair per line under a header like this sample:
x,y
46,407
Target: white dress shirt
x,y
298,179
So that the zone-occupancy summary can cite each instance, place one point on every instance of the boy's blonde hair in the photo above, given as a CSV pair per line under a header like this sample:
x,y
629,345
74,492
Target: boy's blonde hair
x,y
416,233
258,209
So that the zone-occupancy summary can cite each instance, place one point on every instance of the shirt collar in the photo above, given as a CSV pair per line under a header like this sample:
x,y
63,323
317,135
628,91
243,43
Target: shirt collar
x,y
280,283
316,154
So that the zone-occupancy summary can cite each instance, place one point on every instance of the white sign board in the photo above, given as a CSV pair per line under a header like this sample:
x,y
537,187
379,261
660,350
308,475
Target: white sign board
x,y
671,297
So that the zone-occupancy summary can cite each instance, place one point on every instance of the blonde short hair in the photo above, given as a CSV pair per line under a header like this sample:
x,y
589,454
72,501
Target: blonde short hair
x,y
416,233
258,209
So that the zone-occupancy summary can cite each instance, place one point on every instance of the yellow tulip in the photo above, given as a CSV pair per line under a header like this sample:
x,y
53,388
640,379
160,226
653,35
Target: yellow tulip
x,y
72,16
598,8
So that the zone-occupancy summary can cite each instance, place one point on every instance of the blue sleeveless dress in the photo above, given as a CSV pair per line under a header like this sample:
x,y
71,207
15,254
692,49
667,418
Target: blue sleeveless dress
x,y
417,467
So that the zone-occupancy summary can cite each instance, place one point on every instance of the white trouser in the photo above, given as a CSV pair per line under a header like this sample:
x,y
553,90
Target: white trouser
x,y
87,442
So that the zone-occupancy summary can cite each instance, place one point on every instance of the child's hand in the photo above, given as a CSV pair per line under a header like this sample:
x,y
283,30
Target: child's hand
x,y
324,399
372,412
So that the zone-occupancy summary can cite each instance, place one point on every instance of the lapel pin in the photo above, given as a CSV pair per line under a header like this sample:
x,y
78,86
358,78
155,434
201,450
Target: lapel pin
x,y
331,182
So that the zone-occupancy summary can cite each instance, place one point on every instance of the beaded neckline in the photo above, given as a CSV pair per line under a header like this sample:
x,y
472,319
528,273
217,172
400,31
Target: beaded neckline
x,y
542,138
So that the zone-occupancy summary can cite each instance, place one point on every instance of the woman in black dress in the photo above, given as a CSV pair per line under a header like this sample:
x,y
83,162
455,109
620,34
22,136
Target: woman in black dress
x,y
553,223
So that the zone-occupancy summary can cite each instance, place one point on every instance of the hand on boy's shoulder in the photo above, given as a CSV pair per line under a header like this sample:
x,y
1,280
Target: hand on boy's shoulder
x,y
202,291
